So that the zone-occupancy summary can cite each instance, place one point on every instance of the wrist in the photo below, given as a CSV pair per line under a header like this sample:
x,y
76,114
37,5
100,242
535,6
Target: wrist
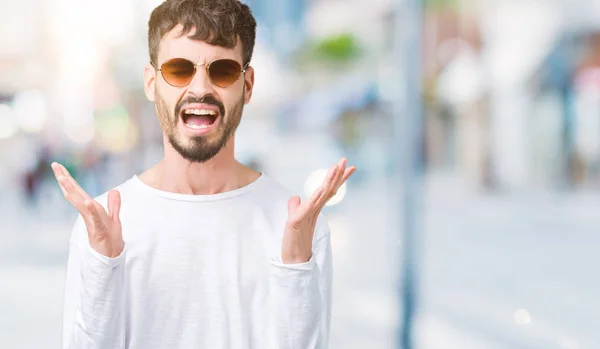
x,y
295,258
108,250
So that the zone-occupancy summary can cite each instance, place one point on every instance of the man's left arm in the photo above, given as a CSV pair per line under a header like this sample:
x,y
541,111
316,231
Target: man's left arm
x,y
301,297
301,282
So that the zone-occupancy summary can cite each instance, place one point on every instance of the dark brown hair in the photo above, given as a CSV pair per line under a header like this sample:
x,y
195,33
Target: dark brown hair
x,y
216,22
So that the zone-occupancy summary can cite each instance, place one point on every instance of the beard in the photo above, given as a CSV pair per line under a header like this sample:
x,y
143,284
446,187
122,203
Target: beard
x,y
199,149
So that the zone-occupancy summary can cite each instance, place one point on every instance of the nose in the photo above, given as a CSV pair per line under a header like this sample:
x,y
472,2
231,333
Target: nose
x,y
200,84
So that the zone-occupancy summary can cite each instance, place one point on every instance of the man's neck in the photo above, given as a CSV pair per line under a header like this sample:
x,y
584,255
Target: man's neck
x,y
220,174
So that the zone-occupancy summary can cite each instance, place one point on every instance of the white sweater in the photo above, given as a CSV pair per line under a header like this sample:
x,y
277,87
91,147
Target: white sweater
x,y
198,271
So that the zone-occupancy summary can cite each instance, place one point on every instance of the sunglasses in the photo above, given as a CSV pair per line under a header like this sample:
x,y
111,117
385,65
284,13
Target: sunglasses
x,y
179,72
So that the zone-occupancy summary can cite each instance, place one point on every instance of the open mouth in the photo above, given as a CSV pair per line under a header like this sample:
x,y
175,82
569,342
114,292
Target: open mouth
x,y
199,118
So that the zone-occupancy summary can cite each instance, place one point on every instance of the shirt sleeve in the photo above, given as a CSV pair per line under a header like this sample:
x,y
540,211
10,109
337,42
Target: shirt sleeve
x,y
301,297
93,309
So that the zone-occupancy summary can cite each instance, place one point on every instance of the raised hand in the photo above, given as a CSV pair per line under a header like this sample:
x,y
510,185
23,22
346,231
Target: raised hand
x,y
302,216
104,229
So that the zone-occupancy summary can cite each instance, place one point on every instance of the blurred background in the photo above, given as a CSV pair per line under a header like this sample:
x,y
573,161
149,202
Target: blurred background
x,y
492,108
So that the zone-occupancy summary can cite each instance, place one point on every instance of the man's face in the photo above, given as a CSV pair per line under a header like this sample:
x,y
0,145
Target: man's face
x,y
197,138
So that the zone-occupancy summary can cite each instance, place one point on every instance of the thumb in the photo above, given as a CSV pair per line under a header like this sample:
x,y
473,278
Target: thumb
x,y
114,204
293,204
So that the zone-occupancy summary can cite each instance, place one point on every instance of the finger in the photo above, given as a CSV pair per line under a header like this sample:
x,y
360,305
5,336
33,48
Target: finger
x,y
71,193
331,176
75,198
332,191
57,169
313,204
327,183
344,176
317,193
337,181
114,204
76,186
293,204
95,214
349,171
76,201
57,173
306,207
110,204
64,191
314,198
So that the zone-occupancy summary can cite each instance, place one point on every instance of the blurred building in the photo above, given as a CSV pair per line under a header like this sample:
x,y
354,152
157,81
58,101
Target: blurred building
x,y
508,87
281,23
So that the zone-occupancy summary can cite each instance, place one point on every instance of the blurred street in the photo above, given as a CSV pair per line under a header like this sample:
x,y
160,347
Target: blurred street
x,y
507,98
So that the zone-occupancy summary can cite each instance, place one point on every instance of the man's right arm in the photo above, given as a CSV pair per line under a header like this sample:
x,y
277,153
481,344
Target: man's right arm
x,y
94,300
94,303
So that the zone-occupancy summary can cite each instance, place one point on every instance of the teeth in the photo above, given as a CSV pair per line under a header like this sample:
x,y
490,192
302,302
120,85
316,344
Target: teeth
x,y
198,127
200,112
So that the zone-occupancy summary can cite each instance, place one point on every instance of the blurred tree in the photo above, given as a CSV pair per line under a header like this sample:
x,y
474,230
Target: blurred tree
x,y
329,56
442,4
337,48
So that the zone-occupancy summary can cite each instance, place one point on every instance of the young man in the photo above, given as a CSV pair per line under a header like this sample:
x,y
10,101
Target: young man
x,y
199,251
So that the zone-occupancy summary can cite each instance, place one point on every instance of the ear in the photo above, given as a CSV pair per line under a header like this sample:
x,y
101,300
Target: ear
x,y
249,84
150,82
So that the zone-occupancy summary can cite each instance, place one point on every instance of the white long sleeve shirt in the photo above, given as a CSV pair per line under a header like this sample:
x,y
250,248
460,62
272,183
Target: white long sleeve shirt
x,y
198,271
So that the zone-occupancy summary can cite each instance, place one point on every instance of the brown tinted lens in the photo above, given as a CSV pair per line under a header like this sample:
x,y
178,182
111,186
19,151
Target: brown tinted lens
x,y
178,71
224,72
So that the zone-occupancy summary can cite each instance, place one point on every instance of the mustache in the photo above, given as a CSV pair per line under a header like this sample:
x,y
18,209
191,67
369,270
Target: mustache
x,y
208,99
